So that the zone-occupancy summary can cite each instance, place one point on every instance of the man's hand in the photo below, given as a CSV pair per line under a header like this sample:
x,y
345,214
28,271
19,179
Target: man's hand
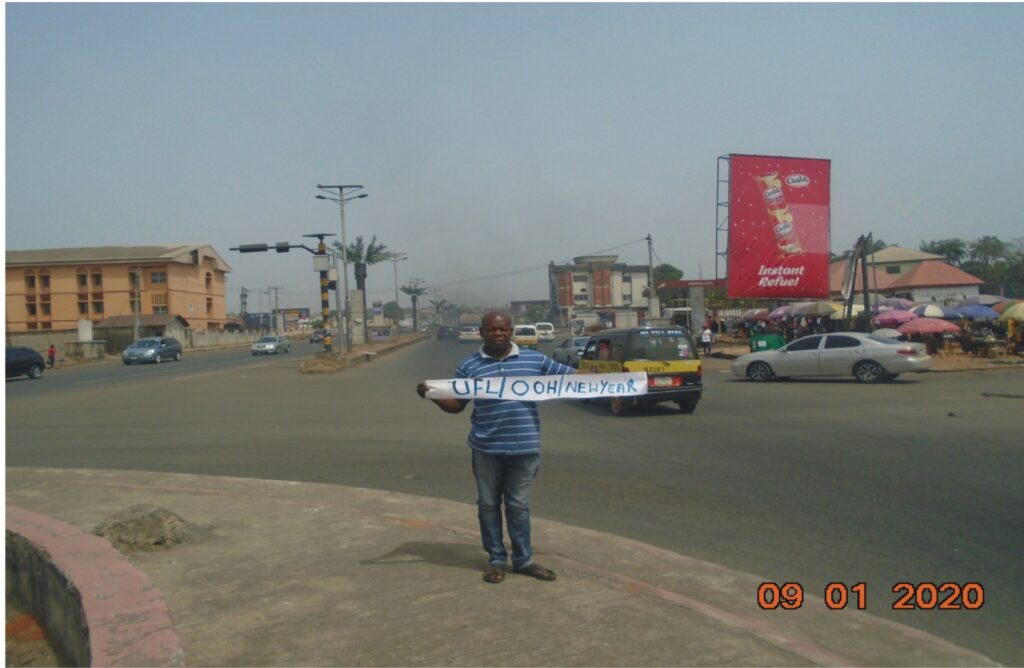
x,y
447,405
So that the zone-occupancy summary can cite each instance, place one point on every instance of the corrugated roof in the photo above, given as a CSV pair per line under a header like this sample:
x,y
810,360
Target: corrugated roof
x,y
934,273
900,254
113,254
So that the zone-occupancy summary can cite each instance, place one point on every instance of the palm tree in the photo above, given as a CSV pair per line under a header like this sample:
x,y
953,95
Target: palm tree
x,y
987,250
414,290
362,257
953,251
439,308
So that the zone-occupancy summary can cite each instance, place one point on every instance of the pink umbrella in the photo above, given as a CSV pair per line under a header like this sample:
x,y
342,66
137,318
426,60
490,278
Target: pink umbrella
x,y
894,302
893,317
927,326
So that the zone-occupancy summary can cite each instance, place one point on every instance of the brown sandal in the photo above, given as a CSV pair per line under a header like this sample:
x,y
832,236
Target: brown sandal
x,y
537,571
494,575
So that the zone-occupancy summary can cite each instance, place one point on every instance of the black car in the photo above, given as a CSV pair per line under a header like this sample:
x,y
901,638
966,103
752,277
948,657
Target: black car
x,y
317,336
24,361
445,332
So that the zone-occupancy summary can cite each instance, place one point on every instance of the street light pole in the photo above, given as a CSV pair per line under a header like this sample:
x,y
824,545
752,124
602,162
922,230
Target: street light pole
x,y
396,258
341,200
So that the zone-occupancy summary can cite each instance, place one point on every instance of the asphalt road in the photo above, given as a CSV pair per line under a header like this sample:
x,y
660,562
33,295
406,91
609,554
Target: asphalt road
x,y
811,482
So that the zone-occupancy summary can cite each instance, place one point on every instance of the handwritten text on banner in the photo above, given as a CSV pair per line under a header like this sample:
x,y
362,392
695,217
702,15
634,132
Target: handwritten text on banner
x,y
540,388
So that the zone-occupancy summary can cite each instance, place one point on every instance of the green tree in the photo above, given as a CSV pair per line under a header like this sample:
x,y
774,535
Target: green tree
x,y
414,290
439,308
953,251
666,272
988,250
873,246
361,257
394,311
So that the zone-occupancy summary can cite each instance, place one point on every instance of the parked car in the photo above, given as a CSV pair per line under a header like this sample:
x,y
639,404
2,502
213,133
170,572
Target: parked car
x,y
24,361
154,349
867,357
469,334
271,345
570,350
667,354
525,336
545,331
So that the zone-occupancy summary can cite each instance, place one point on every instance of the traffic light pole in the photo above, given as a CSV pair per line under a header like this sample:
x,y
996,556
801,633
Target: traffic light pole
x,y
321,267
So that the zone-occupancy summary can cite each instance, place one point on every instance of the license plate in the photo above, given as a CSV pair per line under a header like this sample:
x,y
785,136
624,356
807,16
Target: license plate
x,y
662,380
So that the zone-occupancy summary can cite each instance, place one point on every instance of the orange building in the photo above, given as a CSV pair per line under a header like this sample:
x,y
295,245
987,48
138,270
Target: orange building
x,y
54,288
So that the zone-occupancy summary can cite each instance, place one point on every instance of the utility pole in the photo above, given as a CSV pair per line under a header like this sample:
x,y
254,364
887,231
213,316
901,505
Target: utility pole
x,y
244,296
273,305
136,301
653,307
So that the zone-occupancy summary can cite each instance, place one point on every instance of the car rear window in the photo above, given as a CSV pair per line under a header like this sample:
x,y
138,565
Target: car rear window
x,y
668,346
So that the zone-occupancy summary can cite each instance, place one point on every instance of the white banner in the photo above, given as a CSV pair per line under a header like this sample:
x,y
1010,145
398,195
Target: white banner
x,y
540,388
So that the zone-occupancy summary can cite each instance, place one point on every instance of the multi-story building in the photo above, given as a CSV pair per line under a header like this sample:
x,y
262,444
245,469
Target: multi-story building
x,y
54,288
597,284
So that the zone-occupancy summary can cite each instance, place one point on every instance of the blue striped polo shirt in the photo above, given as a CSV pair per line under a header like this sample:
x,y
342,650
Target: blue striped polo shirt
x,y
499,426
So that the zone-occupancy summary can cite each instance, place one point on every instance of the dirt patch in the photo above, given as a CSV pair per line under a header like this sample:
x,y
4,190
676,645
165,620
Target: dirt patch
x,y
145,527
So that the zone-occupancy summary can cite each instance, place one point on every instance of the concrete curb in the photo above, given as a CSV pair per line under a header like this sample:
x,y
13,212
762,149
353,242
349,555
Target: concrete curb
x,y
357,357
96,608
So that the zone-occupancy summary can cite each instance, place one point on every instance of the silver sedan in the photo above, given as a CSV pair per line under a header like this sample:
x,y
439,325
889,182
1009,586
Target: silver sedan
x,y
866,357
271,345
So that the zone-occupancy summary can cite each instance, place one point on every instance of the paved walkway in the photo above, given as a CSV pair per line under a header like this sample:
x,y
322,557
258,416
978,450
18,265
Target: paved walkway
x,y
282,573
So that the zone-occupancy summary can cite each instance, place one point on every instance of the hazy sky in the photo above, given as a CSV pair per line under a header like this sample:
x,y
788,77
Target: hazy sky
x,y
493,139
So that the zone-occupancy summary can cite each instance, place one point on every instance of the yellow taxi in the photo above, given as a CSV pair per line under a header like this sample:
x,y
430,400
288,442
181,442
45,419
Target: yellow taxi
x,y
525,336
667,354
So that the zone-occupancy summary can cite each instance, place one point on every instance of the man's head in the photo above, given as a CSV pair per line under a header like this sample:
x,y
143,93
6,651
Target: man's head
x,y
496,331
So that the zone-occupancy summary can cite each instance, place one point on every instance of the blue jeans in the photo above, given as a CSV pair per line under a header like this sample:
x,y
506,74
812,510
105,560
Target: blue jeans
x,y
505,478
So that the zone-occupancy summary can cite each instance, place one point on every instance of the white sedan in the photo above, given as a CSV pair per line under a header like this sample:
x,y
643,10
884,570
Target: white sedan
x,y
866,357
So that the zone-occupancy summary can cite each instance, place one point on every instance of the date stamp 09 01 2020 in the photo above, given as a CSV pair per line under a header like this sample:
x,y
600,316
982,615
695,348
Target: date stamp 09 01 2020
x,y
909,596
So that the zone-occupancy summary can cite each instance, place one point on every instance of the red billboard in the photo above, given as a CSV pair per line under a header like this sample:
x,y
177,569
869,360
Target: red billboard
x,y
778,227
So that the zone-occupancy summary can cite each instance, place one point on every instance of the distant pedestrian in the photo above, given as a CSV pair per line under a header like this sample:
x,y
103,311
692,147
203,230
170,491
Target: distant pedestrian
x,y
706,336
51,355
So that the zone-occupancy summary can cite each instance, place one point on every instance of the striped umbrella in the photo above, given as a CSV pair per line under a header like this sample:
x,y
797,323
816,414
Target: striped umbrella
x,y
935,311
1002,306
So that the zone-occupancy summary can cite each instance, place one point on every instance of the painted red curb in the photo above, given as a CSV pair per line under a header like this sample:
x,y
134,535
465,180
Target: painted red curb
x,y
96,607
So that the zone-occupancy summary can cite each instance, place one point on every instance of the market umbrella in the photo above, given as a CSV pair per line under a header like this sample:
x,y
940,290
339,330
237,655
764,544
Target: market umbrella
x,y
1002,306
984,300
841,313
858,298
977,312
893,317
781,313
927,326
894,302
760,314
814,308
1015,312
935,311
888,333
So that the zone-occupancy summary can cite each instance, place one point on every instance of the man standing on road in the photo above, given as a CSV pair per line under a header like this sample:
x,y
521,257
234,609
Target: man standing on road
x,y
706,336
505,440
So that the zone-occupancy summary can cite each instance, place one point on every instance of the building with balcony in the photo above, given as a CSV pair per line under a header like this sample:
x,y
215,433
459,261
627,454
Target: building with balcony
x,y
597,284
55,288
